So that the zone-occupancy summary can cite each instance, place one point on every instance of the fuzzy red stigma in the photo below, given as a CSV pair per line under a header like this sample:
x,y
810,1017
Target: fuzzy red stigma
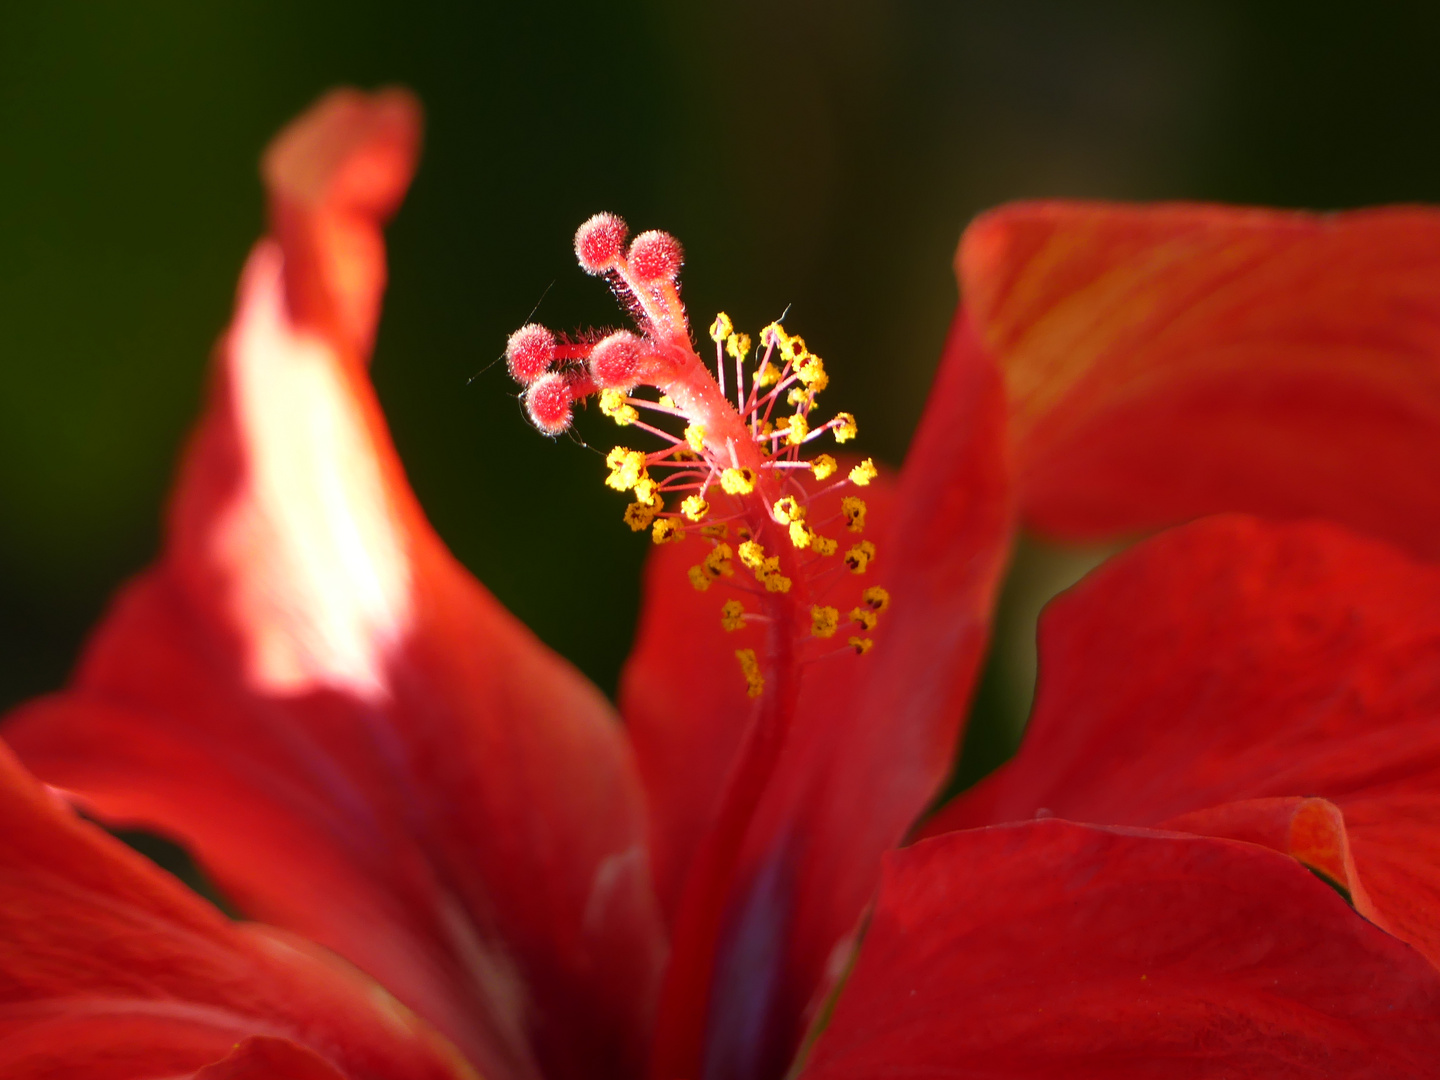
x,y
615,361
529,353
548,401
655,256
599,243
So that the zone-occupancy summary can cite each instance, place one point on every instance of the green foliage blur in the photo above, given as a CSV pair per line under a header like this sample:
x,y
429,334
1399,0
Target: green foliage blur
x,y
820,155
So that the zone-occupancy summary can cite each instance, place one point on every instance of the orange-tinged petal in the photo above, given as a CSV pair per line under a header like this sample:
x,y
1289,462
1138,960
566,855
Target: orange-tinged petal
x,y
111,969
351,734
1310,830
1169,361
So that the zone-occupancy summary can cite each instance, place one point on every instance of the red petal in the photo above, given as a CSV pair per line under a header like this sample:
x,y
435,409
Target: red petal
x,y
1060,950
1233,660
110,969
872,740
683,697
1170,361
864,769
684,704
265,1058
354,737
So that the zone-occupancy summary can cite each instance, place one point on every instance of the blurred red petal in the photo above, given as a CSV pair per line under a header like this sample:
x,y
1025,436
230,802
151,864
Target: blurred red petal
x,y
331,176
111,969
1236,660
264,1058
1061,950
358,742
1170,361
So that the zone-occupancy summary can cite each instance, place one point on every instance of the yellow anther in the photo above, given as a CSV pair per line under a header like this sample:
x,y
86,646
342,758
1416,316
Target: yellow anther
x,y
854,511
824,621
738,346
823,467
639,515
699,578
737,481
721,328
752,554
645,488
768,375
798,395
716,532
612,404
720,561
864,618
666,401
743,533
694,508
861,645
811,372
796,430
764,428
667,531
787,510
876,598
862,474
695,438
798,351
859,556
800,534
773,334
626,468
777,582
844,427
732,615
822,545
750,668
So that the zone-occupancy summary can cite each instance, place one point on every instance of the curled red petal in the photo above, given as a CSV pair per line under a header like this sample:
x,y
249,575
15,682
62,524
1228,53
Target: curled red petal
x,y
1163,362
351,734
332,176
111,969
1055,949
1236,660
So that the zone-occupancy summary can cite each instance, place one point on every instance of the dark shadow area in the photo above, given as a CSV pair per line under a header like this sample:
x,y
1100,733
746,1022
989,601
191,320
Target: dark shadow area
x,y
820,156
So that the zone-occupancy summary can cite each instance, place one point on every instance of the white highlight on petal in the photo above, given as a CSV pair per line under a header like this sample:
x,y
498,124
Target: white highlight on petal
x,y
318,573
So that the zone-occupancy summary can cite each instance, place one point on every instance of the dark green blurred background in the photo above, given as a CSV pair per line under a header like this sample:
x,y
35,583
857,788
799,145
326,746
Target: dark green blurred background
x,y
821,155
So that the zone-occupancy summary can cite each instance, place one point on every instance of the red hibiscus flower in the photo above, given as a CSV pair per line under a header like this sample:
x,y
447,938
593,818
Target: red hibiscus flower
x,y
1216,853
